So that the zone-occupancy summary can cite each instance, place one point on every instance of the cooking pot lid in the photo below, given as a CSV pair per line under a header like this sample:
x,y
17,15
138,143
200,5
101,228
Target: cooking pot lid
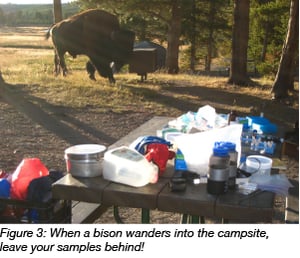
x,y
85,149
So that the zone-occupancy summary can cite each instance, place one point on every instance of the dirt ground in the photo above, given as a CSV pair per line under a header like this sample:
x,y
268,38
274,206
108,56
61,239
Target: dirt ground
x,y
29,130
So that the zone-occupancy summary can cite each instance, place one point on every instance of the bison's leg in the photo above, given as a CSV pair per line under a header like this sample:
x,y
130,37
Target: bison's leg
x,y
63,66
56,65
61,61
112,79
91,70
104,70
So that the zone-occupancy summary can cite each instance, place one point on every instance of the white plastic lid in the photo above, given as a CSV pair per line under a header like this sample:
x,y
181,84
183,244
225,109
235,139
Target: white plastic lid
x,y
85,149
258,162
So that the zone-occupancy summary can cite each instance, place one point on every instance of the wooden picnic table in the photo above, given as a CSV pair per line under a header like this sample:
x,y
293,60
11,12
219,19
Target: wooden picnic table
x,y
194,201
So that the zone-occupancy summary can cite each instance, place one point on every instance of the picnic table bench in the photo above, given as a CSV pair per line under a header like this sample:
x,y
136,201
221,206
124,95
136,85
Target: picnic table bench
x,y
84,212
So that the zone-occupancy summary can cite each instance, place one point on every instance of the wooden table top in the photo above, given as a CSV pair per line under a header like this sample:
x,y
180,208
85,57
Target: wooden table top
x,y
193,201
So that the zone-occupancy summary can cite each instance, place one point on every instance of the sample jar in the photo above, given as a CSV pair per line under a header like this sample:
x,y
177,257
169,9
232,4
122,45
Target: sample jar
x,y
220,155
218,172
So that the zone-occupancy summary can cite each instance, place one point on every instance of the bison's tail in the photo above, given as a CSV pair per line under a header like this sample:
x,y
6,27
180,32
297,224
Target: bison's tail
x,y
48,33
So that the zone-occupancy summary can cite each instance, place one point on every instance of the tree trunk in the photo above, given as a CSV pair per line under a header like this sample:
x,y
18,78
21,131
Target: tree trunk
x,y
193,37
210,40
1,78
173,38
284,80
265,45
209,52
57,10
238,70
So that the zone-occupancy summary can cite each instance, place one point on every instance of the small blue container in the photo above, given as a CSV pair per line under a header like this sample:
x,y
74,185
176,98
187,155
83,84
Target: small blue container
x,y
261,124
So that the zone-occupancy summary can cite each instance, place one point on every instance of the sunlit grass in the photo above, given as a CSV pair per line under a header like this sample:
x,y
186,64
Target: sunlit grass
x,y
31,70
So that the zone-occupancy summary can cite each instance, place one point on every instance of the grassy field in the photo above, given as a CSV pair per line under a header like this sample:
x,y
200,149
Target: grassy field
x,y
26,63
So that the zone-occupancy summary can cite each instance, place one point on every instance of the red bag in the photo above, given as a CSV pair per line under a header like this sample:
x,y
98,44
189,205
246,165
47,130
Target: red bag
x,y
159,154
27,170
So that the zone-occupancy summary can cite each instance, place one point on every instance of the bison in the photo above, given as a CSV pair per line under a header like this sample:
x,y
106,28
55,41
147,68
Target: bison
x,y
96,34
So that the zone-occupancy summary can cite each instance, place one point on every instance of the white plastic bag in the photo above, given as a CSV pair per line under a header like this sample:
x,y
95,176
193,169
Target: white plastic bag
x,y
197,147
278,183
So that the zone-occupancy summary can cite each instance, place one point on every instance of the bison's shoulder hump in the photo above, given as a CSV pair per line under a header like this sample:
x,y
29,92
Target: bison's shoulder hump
x,y
96,12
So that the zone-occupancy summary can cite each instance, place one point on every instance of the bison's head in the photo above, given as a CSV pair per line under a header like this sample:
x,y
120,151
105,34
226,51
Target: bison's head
x,y
123,41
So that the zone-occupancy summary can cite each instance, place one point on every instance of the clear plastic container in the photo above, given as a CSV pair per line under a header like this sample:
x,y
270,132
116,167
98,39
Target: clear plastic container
x,y
259,165
127,166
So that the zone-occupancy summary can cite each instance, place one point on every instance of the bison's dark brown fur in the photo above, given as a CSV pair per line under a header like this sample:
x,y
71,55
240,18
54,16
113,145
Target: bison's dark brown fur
x,y
96,34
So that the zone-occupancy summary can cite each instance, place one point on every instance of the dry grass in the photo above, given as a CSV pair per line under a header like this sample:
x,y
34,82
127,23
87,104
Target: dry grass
x,y
27,65
24,36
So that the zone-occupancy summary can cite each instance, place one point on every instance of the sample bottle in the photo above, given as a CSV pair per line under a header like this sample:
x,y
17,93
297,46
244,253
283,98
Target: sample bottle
x,y
218,172
233,157
220,155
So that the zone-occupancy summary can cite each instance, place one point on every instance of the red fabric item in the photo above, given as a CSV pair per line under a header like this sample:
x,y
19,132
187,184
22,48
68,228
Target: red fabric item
x,y
3,174
27,170
159,154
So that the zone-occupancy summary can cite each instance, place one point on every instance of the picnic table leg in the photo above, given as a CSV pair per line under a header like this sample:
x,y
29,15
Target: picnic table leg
x,y
225,221
68,211
202,220
185,218
195,219
117,215
145,216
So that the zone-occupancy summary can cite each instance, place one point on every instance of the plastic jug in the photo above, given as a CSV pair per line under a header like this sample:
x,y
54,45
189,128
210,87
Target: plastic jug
x,y
127,166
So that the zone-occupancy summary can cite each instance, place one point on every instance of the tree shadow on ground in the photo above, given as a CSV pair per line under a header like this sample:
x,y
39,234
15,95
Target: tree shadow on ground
x,y
222,100
53,118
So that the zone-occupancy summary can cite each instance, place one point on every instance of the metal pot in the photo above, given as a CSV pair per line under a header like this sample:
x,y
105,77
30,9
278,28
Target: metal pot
x,y
85,160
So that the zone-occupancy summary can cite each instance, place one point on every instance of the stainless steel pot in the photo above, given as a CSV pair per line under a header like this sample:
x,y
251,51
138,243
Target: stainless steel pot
x,y
85,160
